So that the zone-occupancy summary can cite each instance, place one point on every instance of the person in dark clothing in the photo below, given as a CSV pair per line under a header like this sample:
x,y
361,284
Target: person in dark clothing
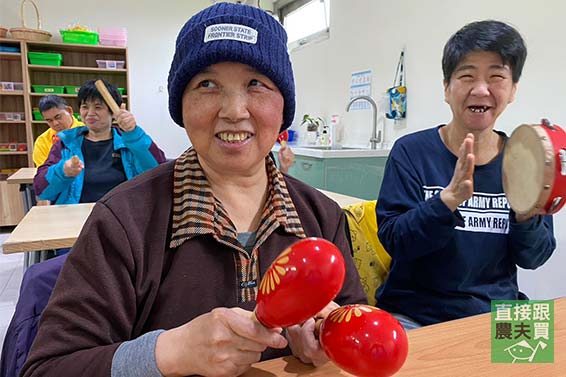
x,y
37,283
442,213
164,276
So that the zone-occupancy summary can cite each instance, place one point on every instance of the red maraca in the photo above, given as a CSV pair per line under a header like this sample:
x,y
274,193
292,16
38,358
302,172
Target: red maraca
x,y
300,283
283,137
364,341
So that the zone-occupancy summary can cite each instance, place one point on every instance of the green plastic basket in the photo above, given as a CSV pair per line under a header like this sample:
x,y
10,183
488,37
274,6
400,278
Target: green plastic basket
x,y
45,58
79,37
37,115
72,89
49,89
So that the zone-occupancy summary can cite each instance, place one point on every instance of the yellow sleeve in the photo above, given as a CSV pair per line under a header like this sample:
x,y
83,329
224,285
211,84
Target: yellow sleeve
x,y
371,259
41,148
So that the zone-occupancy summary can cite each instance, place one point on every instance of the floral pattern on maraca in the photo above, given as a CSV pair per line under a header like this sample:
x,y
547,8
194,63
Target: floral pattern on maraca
x,y
271,278
345,313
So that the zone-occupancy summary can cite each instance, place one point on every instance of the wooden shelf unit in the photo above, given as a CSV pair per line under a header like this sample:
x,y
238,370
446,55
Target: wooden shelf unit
x,y
79,65
64,95
12,93
89,70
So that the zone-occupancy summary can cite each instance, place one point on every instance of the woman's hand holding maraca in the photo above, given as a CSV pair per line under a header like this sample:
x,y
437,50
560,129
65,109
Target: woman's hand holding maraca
x,y
223,342
303,339
361,339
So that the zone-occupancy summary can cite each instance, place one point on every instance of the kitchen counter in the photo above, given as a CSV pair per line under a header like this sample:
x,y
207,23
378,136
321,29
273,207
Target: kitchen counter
x,y
326,152
355,172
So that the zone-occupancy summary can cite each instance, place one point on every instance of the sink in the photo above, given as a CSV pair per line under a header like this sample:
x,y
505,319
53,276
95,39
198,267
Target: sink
x,y
330,148
338,151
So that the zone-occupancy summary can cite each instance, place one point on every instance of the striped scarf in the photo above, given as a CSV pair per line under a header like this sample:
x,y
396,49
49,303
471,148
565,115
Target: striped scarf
x,y
197,212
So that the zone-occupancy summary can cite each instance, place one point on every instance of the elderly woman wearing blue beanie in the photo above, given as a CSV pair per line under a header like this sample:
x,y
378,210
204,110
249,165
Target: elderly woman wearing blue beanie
x,y
164,277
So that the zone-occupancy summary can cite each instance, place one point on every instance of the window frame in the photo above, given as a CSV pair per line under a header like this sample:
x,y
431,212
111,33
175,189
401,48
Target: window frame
x,y
283,8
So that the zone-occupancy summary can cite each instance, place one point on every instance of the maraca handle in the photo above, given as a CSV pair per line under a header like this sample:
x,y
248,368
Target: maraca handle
x,y
317,325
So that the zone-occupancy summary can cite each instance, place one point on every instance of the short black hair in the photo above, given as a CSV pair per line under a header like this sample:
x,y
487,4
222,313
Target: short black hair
x,y
89,92
488,35
49,102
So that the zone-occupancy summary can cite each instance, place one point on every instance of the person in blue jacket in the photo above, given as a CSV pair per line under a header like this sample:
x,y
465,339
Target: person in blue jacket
x,y
442,213
89,161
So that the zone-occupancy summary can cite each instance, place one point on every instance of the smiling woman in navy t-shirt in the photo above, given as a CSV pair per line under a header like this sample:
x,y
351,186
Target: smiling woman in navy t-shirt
x,y
442,212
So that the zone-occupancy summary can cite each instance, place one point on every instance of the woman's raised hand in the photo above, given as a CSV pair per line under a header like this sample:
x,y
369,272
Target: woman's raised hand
x,y
126,120
461,187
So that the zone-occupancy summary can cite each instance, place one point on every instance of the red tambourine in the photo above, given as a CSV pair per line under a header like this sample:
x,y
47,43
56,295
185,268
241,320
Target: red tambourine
x,y
534,169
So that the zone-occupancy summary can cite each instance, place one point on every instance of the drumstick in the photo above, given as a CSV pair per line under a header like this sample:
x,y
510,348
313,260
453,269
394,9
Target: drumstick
x,y
107,97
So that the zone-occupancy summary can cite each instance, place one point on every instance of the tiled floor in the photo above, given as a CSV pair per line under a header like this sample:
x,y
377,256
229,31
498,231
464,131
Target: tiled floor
x,y
11,270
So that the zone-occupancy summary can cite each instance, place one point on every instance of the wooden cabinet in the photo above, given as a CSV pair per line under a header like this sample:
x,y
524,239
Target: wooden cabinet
x,y
11,205
359,177
79,65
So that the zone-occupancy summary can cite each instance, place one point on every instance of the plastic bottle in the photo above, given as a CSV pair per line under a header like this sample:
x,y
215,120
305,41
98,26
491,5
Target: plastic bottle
x,y
325,136
335,130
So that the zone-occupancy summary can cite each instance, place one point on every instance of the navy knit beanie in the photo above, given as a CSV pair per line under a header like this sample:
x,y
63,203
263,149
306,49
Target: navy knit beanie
x,y
227,32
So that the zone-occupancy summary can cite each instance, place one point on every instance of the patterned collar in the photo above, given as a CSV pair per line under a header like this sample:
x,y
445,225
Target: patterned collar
x,y
197,212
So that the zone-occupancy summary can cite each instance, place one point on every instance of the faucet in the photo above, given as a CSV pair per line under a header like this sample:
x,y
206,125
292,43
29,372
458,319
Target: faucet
x,y
374,139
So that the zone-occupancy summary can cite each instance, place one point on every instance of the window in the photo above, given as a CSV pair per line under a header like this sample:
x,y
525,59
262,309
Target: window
x,y
304,20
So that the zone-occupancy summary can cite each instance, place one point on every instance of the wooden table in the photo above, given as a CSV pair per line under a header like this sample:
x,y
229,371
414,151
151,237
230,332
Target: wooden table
x,y
341,199
48,227
24,178
455,348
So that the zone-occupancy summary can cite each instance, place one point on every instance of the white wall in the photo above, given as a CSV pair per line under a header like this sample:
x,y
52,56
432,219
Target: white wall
x,y
370,33
152,29
364,34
